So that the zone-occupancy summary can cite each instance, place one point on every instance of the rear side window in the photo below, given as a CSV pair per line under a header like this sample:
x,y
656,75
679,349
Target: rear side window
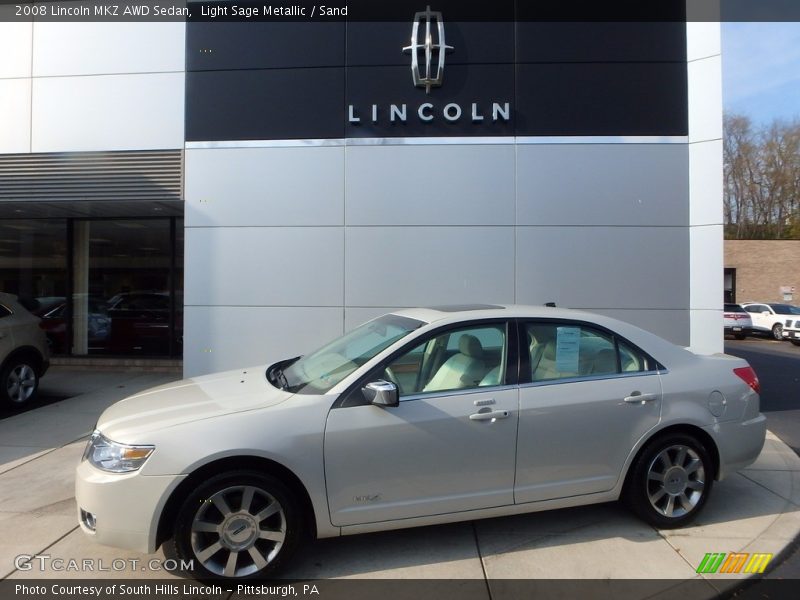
x,y
4,312
567,351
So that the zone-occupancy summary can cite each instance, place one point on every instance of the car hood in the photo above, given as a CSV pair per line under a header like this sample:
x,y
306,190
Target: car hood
x,y
189,400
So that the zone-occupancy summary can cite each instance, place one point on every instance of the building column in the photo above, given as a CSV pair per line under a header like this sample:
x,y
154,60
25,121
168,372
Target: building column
x,y
80,295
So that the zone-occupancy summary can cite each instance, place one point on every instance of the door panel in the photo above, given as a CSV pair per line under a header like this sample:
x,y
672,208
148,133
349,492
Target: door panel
x,y
423,457
574,436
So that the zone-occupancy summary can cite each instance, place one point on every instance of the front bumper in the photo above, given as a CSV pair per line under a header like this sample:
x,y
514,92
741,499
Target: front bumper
x,y
791,334
126,506
739,443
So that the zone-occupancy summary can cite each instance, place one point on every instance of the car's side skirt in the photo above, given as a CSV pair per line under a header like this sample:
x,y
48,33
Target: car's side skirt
x,y
484,513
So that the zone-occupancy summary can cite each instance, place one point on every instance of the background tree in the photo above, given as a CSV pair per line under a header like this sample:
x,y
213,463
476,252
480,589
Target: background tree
x,y
761,179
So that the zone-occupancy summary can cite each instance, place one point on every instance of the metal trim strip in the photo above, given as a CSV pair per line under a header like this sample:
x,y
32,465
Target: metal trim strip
x,y
442,141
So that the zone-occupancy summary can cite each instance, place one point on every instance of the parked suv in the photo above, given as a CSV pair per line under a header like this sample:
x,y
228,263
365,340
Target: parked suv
x,y
770,317
737,321
791,330
24,357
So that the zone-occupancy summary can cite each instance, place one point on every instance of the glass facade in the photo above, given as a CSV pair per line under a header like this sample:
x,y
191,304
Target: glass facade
x,y
101,286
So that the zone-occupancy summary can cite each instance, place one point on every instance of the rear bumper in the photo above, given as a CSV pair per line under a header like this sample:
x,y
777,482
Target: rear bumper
x,y
739,443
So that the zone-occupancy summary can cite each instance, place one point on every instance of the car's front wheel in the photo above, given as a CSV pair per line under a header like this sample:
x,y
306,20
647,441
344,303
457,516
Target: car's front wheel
x,y
670,481
740,336
796,342
18,382
777,331
241,524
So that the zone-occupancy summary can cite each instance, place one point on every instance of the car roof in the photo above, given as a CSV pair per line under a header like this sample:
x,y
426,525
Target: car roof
x,y
458,312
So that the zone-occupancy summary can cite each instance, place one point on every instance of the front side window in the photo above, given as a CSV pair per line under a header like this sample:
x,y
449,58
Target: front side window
x,y
318,372
458,359
566,351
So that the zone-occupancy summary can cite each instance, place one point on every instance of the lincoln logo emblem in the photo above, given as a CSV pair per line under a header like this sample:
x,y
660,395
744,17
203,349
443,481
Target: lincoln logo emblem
x,y
428,48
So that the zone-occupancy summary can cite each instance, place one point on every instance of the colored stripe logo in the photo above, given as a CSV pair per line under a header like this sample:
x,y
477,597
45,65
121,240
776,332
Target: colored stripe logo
x,y
734,562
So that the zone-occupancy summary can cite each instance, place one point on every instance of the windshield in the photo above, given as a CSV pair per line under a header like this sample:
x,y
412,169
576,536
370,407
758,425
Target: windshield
x,y
785,309
318,372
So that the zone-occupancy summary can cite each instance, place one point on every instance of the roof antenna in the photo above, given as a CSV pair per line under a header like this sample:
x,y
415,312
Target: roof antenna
x,y
550,304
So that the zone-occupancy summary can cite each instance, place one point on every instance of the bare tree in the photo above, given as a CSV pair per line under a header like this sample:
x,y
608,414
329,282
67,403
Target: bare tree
x,y
761,179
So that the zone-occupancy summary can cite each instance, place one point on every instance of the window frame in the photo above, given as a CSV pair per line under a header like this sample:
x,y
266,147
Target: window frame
x,y
523,352
352,396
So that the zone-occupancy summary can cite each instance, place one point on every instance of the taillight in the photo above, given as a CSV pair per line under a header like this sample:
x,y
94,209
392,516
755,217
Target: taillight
x,y
729,315
748,375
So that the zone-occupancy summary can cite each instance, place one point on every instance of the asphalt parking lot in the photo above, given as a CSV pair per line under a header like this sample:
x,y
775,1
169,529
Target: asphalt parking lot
x,y
777,365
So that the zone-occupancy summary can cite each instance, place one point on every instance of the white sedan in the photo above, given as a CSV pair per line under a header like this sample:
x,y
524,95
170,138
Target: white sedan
x,y
421,416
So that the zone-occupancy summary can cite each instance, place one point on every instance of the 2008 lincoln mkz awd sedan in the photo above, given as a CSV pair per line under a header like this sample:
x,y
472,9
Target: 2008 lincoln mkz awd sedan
x,y
418,417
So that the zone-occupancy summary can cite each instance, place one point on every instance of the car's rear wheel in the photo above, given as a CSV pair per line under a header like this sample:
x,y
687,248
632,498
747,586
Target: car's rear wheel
x,y
238,525
740,336
670,481
18,382
777,331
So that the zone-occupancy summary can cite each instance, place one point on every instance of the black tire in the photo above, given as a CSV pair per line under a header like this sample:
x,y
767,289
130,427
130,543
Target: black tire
x,y
777,332
19,382
796,342
740,336
243,528
689,490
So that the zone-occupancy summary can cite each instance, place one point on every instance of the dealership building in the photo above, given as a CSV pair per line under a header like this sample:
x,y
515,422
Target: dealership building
x,y
233,193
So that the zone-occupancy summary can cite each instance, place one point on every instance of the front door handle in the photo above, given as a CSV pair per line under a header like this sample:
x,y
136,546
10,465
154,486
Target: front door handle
x,y
639,398
489,415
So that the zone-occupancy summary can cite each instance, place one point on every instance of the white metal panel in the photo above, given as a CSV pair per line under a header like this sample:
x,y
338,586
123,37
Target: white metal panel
x,y
707,330
423,266
15,115
705,269
702,39
15,49
430,185
264,266
265,186
619,184
228,337
108,112
603,267
705,99
705,183
91,48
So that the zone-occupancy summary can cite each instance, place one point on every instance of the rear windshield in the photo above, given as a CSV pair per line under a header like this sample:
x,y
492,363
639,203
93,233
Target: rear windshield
x,y
734,308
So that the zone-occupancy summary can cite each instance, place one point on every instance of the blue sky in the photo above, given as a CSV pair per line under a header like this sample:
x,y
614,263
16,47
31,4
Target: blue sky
x,y
761,70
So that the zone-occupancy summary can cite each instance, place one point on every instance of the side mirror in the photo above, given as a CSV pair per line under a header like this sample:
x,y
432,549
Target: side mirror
x,y
381,393
766,313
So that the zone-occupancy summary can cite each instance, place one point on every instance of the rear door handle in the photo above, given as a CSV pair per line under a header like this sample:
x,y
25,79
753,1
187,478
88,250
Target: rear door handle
x,y
639,398
490,415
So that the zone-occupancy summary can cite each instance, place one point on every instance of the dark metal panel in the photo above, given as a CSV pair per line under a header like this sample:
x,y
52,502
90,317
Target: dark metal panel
x,y
602,99
265,104
264,45
600,42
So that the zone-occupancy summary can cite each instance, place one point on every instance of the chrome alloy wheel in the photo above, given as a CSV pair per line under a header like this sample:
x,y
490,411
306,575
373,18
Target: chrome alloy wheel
x,y
238,531
675,481
20,383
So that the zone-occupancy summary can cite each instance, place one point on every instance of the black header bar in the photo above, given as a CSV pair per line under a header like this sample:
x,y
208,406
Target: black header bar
x,y
570,11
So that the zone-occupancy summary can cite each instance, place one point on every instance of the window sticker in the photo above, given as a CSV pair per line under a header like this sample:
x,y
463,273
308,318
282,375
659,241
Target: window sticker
x,y
568,343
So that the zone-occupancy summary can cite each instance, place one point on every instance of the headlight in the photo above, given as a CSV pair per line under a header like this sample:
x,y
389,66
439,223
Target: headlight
x,y
113,457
